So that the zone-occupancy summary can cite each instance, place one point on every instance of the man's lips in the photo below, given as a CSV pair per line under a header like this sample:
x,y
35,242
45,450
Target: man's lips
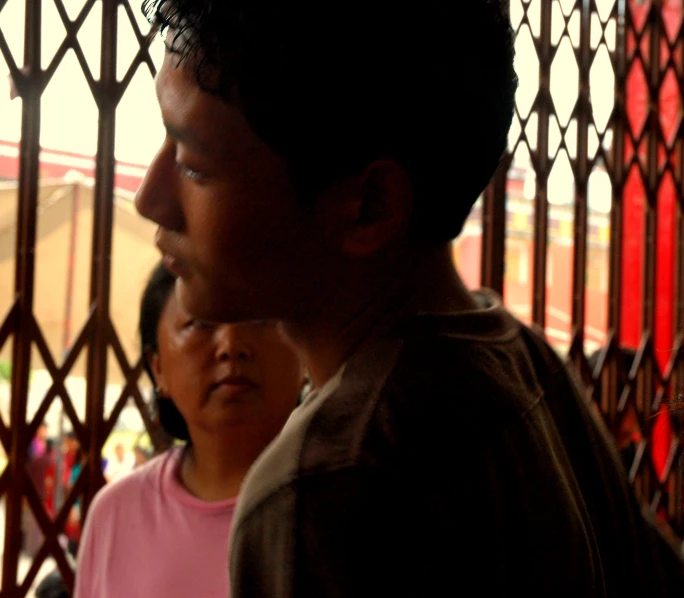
x,y
174,265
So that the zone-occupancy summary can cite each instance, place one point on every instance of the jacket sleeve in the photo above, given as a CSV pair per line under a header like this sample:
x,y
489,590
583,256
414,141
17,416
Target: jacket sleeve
x,y
337,534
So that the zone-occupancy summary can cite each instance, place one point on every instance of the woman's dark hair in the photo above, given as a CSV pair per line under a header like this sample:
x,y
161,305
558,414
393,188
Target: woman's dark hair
x,y
157,292
52,586
332,86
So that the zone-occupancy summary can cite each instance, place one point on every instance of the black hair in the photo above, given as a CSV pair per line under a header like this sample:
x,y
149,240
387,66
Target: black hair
x,y
331,86
155,296
52,586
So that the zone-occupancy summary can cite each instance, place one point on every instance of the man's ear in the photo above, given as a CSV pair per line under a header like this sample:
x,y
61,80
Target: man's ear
x,y
382,210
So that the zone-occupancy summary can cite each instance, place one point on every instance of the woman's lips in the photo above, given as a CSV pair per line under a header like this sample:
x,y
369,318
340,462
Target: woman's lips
x,y
233,387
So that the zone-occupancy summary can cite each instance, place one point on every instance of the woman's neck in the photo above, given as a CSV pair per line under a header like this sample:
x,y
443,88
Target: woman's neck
x,y
212,469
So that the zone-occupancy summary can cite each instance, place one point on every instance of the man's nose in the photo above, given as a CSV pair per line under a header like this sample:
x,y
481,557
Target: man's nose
x,y
157,198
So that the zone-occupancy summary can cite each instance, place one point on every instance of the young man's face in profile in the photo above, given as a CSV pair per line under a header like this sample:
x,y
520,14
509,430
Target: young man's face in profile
x,y
231,227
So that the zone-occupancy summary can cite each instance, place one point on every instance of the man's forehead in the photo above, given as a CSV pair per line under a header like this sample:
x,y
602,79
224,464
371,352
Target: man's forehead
x,y
195,116
176,82
183,52
184,106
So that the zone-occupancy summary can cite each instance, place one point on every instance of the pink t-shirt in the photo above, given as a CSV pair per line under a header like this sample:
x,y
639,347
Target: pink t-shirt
x,y
146,537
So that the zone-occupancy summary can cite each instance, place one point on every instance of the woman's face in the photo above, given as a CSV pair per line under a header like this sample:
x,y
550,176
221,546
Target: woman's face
x,y
225,375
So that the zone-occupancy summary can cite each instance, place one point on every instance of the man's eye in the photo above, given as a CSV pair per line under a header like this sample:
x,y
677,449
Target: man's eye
x,y
188,172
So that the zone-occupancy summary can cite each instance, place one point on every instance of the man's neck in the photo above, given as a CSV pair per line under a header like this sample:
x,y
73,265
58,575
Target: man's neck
x,y
370,303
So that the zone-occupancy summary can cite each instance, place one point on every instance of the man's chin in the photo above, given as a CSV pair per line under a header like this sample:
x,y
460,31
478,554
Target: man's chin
x,y
207,306
193,302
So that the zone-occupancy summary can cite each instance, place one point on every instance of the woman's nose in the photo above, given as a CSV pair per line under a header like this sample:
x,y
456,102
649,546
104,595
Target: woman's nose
x,y
231,343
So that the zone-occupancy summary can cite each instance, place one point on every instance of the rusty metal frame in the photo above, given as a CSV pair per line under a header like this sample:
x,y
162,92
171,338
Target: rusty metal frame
x,y
644,386
24,273
97,334
543,168
102,248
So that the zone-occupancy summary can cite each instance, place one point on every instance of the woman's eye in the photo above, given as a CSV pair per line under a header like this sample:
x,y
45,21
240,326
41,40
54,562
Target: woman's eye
x,y
197,324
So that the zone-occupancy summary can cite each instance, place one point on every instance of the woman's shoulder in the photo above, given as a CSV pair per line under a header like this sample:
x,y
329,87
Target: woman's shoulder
x,y
133,487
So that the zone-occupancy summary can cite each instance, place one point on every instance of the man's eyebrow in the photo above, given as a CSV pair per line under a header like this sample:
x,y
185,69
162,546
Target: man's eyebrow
x,y
184,136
